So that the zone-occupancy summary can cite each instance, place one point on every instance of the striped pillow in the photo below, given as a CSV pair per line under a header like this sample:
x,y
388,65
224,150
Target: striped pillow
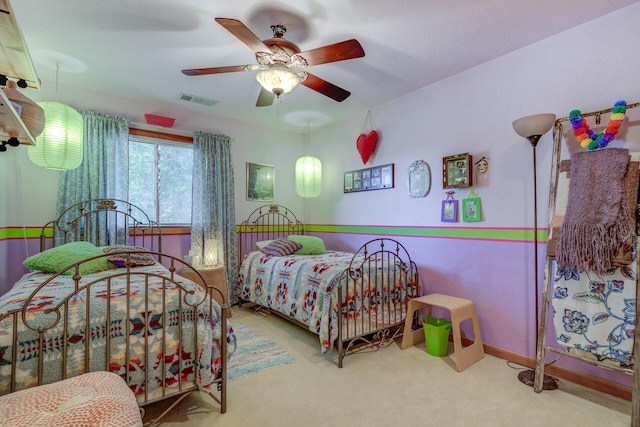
x,y
137,259
281,247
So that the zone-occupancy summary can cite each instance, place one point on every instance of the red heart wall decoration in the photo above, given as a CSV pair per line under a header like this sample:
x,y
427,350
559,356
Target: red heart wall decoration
x,y
365,145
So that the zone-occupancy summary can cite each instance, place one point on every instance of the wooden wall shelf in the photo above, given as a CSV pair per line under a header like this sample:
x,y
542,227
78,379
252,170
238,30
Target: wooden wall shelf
x,y
15,64
15,60
10,123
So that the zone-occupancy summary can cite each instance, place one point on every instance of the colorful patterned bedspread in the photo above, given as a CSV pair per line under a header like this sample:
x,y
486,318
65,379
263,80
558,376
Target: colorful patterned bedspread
x,y
304,288
147,326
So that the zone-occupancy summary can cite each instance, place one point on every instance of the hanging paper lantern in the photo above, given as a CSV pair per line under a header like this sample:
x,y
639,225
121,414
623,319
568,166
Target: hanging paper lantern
x,y
308,177
59,146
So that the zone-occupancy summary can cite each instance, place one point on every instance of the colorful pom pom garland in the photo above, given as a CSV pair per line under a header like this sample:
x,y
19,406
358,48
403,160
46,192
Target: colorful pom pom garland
x,y
588,138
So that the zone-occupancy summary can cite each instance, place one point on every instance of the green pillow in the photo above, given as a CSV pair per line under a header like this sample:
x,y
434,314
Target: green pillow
x,y
54,259
311,245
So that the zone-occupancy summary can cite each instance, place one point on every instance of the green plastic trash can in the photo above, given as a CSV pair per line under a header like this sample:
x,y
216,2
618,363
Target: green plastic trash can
x,y
436,335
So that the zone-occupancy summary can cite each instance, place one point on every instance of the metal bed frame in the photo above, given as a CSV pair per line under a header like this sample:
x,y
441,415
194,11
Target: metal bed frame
x,y
116,222
356,334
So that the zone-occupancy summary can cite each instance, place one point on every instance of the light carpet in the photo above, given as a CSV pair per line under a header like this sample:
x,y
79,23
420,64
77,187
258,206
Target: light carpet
x,y
389,387
254,353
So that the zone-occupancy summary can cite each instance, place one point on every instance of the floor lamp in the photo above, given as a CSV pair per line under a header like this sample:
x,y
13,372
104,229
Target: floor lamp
x,y
532,128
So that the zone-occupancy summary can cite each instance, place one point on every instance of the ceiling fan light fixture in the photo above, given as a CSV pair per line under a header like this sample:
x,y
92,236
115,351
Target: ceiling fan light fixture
x,y
278,79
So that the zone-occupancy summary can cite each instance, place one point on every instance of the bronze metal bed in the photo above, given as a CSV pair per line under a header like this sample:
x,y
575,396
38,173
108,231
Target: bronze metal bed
x,y
366,292
163,334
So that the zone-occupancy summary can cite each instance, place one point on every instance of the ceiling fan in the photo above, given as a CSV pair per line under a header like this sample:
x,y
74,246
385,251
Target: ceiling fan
x,y
277,58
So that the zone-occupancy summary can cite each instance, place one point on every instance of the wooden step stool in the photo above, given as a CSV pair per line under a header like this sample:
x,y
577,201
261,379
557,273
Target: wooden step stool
x,y
460,309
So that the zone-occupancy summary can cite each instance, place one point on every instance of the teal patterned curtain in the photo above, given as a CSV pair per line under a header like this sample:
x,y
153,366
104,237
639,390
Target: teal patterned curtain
x,y
104,171
213,220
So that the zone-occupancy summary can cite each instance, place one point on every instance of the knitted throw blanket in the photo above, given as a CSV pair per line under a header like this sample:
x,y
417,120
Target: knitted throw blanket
x,y
598,220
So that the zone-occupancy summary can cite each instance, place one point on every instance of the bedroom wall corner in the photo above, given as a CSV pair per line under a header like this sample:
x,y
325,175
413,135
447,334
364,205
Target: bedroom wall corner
x,y
27,199
7,160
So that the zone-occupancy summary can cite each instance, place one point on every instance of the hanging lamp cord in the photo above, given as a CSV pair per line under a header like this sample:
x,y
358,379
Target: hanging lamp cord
x,y
57,72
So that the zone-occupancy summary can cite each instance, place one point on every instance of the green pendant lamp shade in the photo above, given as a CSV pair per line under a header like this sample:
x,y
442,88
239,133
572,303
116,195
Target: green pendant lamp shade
x,y
59,146
308,177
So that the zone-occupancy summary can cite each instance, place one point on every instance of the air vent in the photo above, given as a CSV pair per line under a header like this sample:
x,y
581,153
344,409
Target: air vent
x,y
198,100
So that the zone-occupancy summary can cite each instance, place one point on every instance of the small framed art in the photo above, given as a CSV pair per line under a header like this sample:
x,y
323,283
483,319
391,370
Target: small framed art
x,y
471,209
449,211
260,182
376,178
456,171
348,182
419,179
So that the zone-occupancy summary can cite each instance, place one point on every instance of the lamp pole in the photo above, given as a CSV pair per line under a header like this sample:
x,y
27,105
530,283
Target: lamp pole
x,y
534,143
532,128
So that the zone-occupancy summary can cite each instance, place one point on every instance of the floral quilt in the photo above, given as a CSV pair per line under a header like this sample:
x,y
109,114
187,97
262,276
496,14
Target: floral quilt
x,y
304,288
152,335
596,313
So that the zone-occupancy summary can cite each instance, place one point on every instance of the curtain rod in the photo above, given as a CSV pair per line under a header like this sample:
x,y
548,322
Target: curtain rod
x,y
161,129
163,132
597,113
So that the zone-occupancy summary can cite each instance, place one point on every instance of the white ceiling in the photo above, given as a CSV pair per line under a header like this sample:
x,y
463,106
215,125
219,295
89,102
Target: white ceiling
x,y
137,48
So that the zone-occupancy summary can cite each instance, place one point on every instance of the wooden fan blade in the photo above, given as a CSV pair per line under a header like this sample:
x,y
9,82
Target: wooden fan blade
x,y
214,70
265,98
244,34
325,88
348,49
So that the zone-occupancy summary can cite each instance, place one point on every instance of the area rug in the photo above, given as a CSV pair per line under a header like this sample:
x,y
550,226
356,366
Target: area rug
x,y
254,353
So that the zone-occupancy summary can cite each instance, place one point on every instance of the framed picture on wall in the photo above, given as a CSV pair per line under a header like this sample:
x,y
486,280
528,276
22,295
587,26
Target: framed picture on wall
x,y
471,209
456,171
419,179
261,180
348,181
449,211
375,178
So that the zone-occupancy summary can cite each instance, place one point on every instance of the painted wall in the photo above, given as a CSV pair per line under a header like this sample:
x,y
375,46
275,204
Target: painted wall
x,y
469,112
472,112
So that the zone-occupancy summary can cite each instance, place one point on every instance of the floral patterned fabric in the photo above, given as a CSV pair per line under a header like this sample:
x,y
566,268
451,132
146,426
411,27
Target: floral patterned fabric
x,y
596,313
305,288
149,330
103,173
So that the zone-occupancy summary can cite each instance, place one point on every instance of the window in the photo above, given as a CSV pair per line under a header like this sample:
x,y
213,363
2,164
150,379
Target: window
x,y
160,177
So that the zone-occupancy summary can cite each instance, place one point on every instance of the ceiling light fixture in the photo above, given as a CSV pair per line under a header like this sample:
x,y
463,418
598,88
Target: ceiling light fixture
x,y
278,79
60,145
308,175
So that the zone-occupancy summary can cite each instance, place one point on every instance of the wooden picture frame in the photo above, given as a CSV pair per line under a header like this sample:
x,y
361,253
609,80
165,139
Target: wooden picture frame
x,y
457,171
261,180
375,178
471,209
449,211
